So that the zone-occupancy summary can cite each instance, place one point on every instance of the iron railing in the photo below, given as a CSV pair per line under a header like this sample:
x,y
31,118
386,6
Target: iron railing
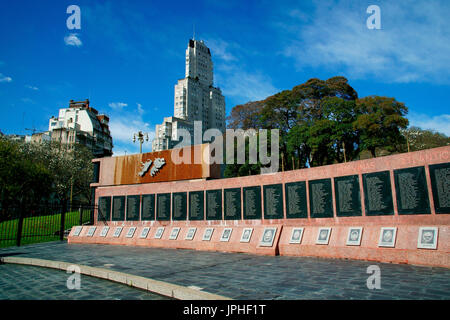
x,y
20,225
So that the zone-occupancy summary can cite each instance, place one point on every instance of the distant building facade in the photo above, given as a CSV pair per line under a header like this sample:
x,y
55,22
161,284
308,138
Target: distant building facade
x,y
195,99
80,123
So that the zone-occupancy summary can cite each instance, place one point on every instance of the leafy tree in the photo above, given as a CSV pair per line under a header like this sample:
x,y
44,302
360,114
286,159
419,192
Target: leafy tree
x,y
323,122
379,122
419,139
70,167
22,180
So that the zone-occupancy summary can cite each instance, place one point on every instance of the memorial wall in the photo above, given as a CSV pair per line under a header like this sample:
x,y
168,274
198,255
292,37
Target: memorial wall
x,y
407,192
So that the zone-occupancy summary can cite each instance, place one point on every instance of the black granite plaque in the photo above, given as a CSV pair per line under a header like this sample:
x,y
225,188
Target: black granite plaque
x,y
196,208
214,204
118,209
273,201
96,172
295,193
252,202
104,208
440,185
412,192
163,206
378,194
133,206
179,206
232,210
320,198
148,207
348,197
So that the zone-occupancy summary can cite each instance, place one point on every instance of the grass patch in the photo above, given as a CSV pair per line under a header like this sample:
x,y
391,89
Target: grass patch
x,y
40,228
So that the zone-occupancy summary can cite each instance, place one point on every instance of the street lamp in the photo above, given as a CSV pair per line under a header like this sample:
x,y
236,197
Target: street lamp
x,y
140,136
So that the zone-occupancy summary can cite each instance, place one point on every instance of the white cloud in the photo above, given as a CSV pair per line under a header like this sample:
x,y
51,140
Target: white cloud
x,y
235,78
123,125
140,109
117,105
413,44
439,123
73,40
244,85
221,49
32,87
4,78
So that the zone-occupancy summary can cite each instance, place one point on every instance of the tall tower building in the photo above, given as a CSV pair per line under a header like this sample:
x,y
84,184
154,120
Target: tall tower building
x,y
195,98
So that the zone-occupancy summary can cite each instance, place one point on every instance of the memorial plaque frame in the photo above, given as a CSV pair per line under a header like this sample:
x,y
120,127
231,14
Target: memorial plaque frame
x,y
383,195
117,232
326,205
159,232
137,206
257,205
182,215
323,236
148,207
440,188
388,236
217,209
246,235
163,198
174,233
104,216
130,233
268,237
428,237
226,234
207,235
354,236
278,207
91,231
355,197
296,235
104,231
422,191
144,233
237,215
77,231
190,233
300,196
200,204
116,200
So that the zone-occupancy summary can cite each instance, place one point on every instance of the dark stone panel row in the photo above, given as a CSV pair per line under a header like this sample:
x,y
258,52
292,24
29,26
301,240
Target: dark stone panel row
x,y
410,185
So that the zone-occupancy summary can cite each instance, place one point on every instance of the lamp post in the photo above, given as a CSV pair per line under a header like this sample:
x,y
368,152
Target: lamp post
x,y
140,136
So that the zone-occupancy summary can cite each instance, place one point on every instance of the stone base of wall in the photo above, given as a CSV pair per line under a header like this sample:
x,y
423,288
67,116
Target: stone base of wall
x,y
405,250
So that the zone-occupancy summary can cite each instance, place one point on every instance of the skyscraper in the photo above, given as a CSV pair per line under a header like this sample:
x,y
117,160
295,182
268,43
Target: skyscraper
x,y
195,99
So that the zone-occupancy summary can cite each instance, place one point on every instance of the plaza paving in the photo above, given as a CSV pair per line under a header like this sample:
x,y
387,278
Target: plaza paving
x,y
234,275
19,282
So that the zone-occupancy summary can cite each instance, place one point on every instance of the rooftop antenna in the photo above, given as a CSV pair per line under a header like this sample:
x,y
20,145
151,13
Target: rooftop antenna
x,y
193,32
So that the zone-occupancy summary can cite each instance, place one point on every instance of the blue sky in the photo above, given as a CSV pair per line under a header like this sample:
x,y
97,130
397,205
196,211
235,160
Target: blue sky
x,y
128,56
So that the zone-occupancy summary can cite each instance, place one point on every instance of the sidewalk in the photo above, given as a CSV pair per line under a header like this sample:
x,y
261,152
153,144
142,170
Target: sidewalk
x,y
244,276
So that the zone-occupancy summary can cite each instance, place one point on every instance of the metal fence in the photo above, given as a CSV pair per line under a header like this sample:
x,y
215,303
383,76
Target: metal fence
x,y
40,223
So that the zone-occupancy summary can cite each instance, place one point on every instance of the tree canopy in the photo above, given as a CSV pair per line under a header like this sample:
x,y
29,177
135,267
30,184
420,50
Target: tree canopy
x,y
324,122
33,172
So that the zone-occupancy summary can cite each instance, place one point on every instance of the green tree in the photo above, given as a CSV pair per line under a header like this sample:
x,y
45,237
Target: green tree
x,y
22,180
419,139
379,122
70,167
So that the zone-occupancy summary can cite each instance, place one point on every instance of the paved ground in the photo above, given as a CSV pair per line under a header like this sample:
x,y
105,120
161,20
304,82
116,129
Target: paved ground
x,y
19,282
245,276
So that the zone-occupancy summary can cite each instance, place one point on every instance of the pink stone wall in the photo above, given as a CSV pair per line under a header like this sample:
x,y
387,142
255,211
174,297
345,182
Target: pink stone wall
x,y
405,250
